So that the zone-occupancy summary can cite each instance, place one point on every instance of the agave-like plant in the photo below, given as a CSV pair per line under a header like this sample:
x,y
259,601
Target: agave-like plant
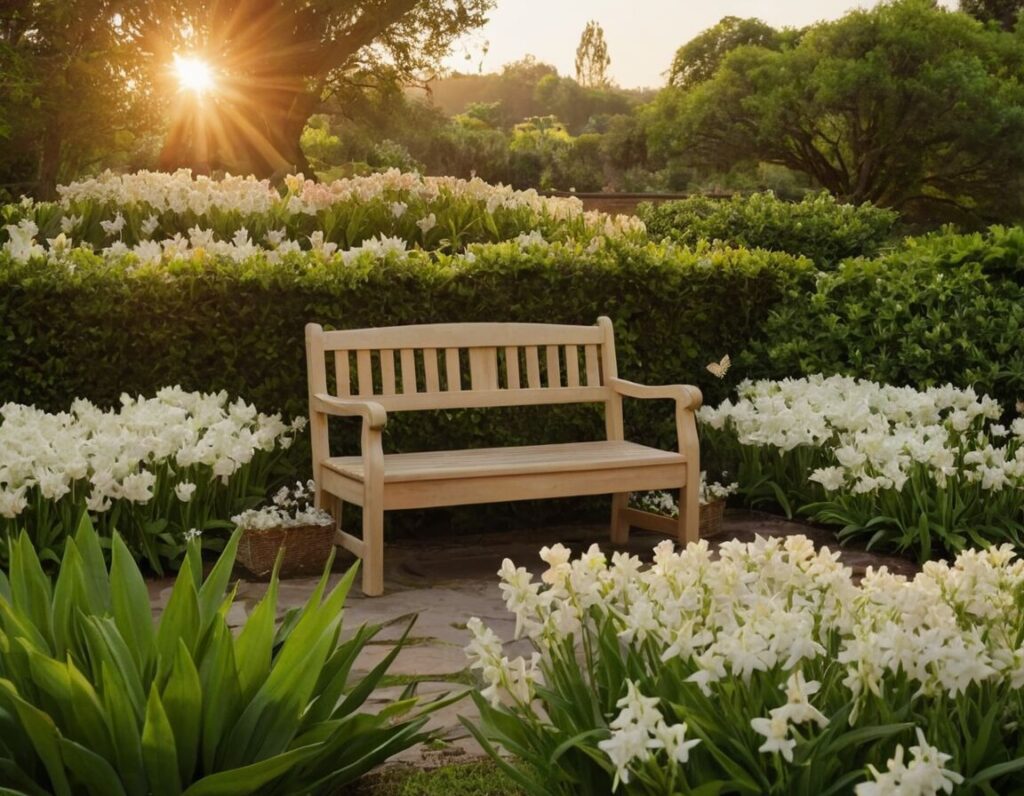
x,y
97,698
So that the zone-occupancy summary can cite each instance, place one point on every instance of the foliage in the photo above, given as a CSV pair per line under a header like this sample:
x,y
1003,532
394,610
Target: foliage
x,y
456,779
905,105
698,60
160,470
1004,12
96,699
928,472
817,227
73,90
761,670
943,308
592,59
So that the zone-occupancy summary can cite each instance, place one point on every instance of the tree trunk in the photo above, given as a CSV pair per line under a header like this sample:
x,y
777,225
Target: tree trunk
x,y
49,162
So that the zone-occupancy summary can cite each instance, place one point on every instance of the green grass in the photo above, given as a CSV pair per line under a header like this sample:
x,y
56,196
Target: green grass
x,y
479,778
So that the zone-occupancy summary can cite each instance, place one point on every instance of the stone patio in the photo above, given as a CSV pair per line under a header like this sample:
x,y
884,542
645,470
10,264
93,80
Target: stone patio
x,y
442,582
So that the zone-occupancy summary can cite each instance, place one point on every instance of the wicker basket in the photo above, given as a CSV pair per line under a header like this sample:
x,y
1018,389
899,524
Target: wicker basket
x,y
306,549
711,515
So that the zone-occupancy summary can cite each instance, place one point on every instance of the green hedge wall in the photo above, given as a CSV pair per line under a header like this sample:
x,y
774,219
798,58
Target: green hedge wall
x,y
941,308
96,328
817,227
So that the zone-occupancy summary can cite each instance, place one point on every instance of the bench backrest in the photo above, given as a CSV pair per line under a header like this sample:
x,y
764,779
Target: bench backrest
x,y
463,365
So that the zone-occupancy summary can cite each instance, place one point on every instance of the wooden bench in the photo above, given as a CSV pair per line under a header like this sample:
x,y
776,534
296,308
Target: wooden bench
x,y
449,366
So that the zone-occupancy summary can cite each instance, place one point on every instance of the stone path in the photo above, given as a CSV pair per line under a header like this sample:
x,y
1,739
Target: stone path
x,y
444,582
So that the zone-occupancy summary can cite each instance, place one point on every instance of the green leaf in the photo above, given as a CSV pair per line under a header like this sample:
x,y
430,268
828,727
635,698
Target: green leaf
x,y
130,604
91,770
159,753
182,700
250,778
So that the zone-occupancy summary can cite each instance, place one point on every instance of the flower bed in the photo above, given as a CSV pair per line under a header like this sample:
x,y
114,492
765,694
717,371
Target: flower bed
x,y
765,670
166,216
157,469
928,471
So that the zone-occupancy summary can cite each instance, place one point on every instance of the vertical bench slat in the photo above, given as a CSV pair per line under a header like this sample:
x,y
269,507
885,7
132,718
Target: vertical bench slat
x,y
408,362
483,368
572,366
452,369
341,373
532,368
554,368
387,372
430,369
364,366
512,367
593,368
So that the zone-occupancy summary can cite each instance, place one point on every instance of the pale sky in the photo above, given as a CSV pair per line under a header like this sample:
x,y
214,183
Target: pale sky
x,y
642,35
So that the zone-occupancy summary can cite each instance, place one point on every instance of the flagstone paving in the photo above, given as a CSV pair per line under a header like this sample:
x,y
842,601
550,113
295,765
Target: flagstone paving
x,y
438,584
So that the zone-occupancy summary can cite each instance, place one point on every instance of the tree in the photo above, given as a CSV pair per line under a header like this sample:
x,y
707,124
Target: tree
x,y
699,59
1005,12
278,60
70,87
592,60
904,105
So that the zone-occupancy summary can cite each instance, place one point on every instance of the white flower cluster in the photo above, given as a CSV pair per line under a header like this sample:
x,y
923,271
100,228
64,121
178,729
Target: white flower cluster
x,y
877,435
638,730
775,607
925,775
106,456
180,192
660,502
289,508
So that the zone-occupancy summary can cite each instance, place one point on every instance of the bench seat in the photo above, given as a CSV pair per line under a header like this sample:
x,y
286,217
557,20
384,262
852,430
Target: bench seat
x,y
521,460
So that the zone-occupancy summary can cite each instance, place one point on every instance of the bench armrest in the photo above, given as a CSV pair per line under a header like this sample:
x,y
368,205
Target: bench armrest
x,y
686,396
372,413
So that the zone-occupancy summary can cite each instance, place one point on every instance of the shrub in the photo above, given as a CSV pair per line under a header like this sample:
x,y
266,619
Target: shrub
x,y
943,308
157,469
817,227
212,323
764,670
923,471
96,699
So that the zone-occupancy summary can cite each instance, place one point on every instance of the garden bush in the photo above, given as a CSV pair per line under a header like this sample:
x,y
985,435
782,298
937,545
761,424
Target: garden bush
x,y
817,227
212,323
928,472
762,670
158,470
943,308
97,699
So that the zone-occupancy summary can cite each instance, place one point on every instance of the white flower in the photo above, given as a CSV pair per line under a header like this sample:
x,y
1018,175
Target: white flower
x,y
776,731
184,491
149,225
115,225
427,223
12,502
924,775
398,209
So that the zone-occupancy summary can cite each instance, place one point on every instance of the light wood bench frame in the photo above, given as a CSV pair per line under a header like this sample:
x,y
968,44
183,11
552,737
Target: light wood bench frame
x,y
578,365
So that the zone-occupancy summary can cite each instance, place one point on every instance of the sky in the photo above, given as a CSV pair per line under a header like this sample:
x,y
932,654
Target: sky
x,y
642,35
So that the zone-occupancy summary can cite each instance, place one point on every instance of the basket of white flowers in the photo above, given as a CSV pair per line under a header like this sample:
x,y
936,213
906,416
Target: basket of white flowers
x,y
712,504
290,522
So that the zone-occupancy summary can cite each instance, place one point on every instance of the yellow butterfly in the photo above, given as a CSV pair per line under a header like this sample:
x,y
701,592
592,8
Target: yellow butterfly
x,y
719,369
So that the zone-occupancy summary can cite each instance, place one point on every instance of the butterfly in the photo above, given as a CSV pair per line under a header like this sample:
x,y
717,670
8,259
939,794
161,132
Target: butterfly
x,y
719,369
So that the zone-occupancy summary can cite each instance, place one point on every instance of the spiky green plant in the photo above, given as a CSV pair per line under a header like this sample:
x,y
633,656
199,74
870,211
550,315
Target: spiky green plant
x,y
97,698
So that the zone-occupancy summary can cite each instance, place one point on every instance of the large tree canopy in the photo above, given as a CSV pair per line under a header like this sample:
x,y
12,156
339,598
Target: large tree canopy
x,y
699,59
278,60
904,105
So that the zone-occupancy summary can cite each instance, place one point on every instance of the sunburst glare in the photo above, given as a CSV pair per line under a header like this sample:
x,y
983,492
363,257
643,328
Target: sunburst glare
x,y
193,74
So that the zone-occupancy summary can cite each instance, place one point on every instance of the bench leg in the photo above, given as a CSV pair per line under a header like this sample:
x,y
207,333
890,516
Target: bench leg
x,y
689,511
620,525
373,551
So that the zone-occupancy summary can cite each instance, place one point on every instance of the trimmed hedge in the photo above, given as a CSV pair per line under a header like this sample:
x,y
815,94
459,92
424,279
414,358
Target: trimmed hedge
x,y
817,227
96,328
942,308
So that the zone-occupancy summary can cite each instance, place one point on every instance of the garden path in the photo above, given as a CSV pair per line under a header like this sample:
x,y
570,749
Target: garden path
x,y
448,580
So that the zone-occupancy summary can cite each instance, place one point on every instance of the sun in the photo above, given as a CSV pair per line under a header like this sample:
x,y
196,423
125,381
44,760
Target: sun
x,y
193,73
